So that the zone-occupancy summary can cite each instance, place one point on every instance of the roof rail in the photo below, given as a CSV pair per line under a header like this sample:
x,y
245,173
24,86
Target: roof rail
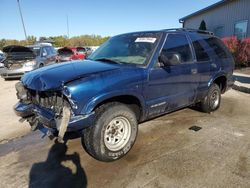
x,y
198,31
190,30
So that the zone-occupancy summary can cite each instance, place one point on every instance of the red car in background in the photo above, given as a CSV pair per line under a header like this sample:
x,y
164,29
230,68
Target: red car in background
x,y
70,53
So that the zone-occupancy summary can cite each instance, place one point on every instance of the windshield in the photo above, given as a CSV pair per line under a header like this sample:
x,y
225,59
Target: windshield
x,y
36,50
134,48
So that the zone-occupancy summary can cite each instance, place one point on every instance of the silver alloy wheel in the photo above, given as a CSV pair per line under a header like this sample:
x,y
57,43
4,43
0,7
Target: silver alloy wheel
x,y
117,133
214,99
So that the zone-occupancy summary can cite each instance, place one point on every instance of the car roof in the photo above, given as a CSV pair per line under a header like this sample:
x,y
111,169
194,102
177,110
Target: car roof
x,y
174,30
38,45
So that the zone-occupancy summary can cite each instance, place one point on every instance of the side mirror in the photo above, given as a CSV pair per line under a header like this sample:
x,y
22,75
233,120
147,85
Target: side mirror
x,y
169,58
44,54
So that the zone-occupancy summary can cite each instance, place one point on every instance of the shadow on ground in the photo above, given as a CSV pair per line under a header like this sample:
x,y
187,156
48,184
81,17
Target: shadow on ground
x,y
242,79
59,170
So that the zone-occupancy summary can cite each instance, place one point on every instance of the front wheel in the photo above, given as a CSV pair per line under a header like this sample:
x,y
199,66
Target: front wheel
x,y
212,100
113,134
41,65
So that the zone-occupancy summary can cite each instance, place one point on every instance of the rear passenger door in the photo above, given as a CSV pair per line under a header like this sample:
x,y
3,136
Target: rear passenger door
x,y
172,87
207,62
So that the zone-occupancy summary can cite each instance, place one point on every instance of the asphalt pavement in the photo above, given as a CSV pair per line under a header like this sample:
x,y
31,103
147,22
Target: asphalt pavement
x,y
167,153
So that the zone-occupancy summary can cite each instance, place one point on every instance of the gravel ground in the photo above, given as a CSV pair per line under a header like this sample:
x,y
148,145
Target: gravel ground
x,y
166,153
9,127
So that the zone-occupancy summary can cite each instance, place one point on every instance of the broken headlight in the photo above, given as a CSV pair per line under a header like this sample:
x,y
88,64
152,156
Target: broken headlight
x,y
67,94
29,64
21,91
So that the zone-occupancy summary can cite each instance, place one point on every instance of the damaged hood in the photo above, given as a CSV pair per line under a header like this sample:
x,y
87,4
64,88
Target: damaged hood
x,y
15,52
54,76
16,49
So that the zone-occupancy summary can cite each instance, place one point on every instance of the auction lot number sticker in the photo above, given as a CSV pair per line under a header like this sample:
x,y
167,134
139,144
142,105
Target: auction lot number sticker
x,y
146,39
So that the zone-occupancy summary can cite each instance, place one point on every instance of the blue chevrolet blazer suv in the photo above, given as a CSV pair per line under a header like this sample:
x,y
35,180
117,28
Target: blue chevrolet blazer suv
x,y
129,79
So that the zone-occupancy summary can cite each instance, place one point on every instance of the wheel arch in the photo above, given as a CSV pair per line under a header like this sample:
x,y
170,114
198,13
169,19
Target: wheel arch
x,y
133,101
221,81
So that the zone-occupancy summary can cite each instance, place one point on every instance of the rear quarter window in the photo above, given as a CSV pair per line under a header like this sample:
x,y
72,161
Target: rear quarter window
x,y
218,47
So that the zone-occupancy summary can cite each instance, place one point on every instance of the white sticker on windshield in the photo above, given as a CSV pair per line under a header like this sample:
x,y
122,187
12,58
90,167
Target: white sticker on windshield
x,y
146,39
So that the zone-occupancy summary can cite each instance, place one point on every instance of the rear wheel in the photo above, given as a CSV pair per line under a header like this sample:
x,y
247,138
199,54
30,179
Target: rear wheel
x,y
41,65
212,101
113,134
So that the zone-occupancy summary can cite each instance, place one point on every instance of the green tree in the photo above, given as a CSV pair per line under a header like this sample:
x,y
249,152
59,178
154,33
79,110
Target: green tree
x,y
31,39
59,41
2,43
203,25
42,39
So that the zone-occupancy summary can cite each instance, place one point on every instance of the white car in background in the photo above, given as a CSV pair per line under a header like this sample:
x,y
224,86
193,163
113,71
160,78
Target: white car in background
x,y
2,56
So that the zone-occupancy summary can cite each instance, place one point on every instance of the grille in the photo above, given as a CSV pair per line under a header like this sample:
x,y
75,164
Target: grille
x,y
14,66
51,100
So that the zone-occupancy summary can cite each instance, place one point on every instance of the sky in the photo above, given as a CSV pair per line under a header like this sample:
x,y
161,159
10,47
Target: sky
x,y
99,17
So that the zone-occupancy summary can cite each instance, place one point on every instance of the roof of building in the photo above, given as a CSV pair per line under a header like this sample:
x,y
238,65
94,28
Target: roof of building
x,y
204,9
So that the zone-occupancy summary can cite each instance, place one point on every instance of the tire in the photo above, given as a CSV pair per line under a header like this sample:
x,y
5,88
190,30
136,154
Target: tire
x,y
41,65
113,133
212,101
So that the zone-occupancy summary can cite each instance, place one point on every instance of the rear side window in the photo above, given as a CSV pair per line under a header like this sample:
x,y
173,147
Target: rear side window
x,y
201,54
217,46
53,50
178,43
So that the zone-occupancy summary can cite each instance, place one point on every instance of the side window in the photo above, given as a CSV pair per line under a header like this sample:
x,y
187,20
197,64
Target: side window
x,y
217,46
201,54
219,31
240,29
44,52
178,43
48,49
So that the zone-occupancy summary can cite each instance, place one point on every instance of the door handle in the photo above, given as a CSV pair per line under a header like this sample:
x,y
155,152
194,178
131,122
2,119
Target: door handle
x,y
194,71
213,65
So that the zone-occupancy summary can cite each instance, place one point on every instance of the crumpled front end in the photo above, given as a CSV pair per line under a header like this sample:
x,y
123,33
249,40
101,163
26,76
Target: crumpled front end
x,y
52,110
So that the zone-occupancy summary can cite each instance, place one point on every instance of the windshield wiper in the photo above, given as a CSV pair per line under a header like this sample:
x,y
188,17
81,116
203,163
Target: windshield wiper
x,y
108,60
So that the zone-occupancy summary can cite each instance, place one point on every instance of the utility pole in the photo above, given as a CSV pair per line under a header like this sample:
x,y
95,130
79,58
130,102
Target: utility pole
x,y
22,19
67,26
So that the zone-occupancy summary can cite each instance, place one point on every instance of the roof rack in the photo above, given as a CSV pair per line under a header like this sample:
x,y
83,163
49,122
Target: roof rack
x,y
190,30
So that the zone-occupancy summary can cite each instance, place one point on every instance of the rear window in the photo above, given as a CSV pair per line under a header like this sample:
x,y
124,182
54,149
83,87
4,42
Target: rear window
x,y
80,50
65,52
36,50
218,47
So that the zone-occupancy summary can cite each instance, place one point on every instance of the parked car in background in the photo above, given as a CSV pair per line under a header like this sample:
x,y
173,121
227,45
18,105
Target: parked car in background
x,y
2,56
22,59
131,78
71,53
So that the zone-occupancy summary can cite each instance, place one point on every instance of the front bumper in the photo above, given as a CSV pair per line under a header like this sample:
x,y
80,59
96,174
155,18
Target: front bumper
x,y
15,73
47,117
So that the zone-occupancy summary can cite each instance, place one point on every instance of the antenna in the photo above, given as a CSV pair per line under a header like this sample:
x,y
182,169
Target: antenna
x,y
67,26
22,19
